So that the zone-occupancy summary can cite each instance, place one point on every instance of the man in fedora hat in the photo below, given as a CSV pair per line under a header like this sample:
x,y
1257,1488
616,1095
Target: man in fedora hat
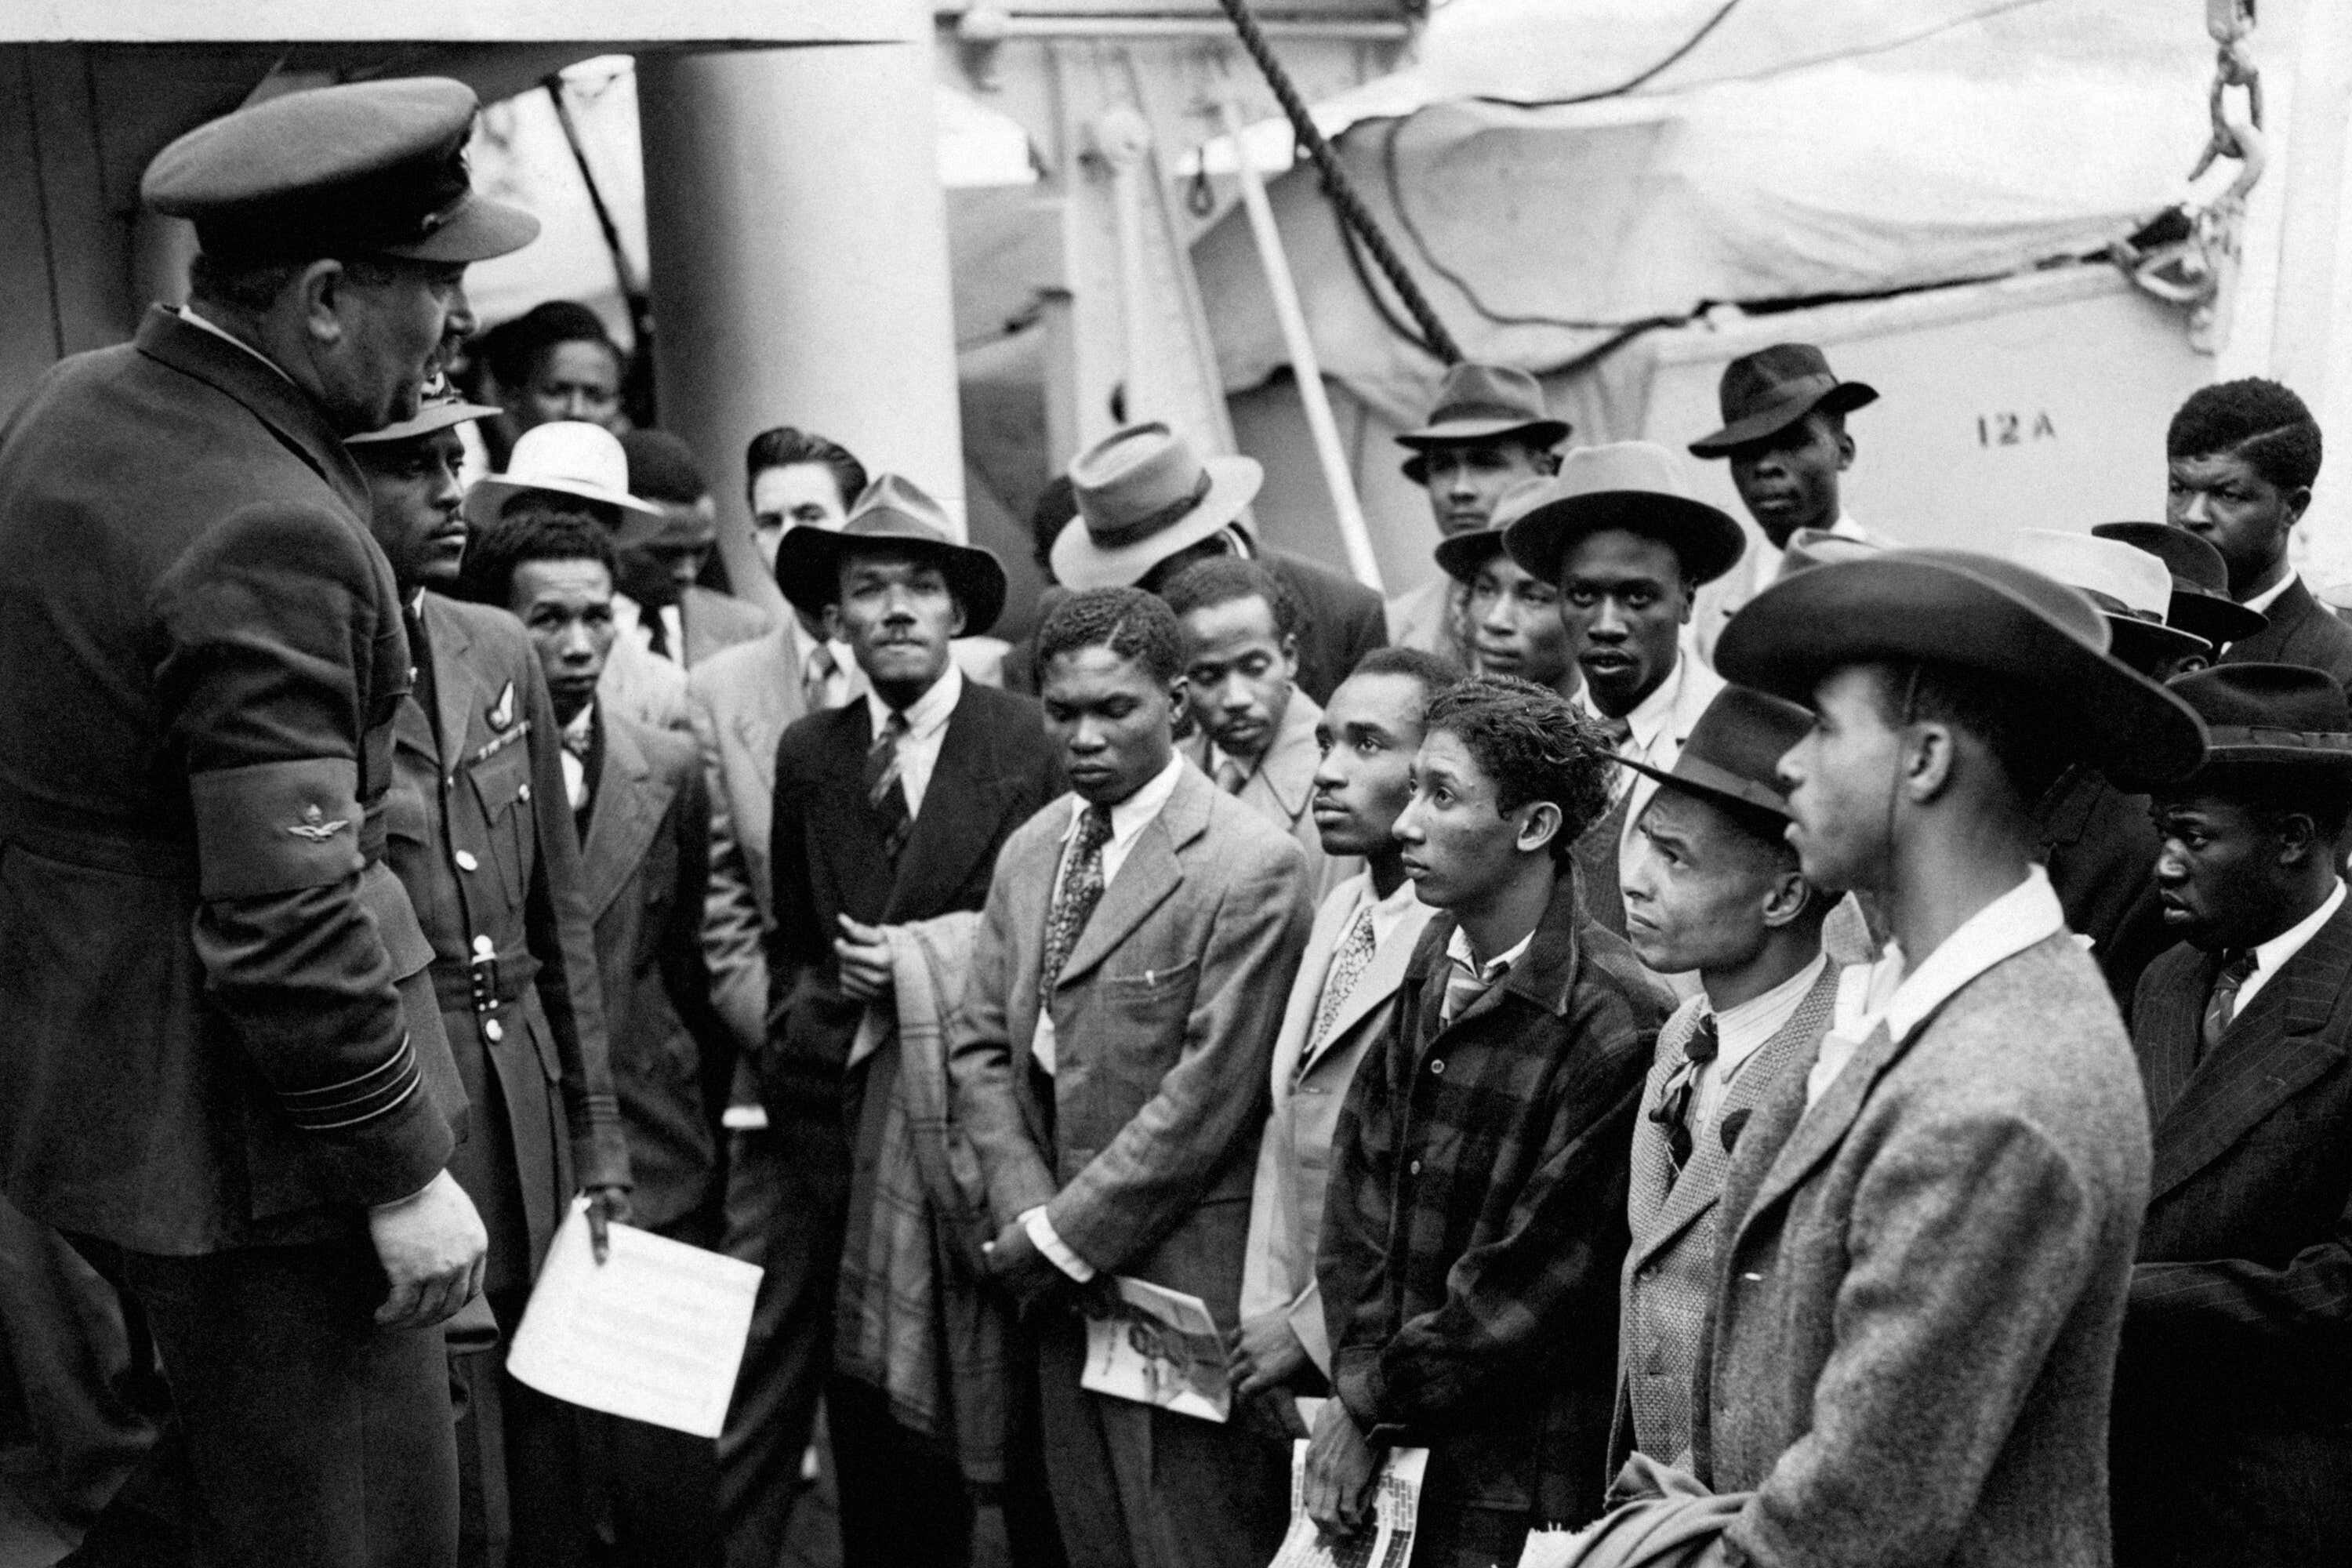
x,y
1928,1235
1715,889
212,1080
2097,841
1489,432
1510,618
568,467
2201,603
2240,457
480,836
1785,437
889,813
2232,1431
1618,533
1148,506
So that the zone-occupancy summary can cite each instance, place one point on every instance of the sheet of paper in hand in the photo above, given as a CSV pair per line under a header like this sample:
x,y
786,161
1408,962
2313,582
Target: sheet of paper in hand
x,y
1396,1503
654,1334
1160,1348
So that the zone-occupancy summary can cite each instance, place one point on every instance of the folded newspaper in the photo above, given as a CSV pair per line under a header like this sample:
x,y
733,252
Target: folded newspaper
x,y
1396,1503
1161,1347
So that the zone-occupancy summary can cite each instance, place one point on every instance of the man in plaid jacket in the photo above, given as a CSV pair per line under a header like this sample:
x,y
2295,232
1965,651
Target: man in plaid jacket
x,y
1477,1216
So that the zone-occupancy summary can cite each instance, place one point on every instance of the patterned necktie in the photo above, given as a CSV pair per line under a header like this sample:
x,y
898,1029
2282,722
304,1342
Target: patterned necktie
x,y
1464,983
657,633
1673,1111
2222,1004
884,791
1346,967
816,675
1074,899
1231,776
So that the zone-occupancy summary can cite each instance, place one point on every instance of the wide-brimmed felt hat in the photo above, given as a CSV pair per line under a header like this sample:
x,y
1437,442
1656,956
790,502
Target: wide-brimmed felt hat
x,y
1810,547
1143,495
2132,589
1481,403
373,168
438,411
1733,751
1977,613
1636,486
2201,581
568,457
1461,556
1772,389
2285,716
892,510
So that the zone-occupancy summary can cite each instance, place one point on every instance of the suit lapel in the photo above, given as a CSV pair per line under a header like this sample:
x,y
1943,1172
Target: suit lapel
x,y
629,807
1148,875
958,822
2165,1025
1287,777
1291,1043
410,728
458,692
1790,1048
1374,986
2271,1053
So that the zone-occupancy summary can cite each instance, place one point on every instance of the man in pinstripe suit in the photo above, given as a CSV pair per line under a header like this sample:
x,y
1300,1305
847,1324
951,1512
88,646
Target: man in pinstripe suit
x,y
1714,888
2233,1433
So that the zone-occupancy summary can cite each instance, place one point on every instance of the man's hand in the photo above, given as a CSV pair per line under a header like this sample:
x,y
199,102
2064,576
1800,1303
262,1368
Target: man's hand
x,y
1265,1355
432,1246
606,1207
863,957
1014,1262
1341,1470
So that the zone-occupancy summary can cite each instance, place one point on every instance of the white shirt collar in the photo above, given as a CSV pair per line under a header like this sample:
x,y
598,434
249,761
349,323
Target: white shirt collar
x,y
1650,716
927,714
1133,814
2027,914
1740,1031
187,313
2261,603
2271,956
1457,948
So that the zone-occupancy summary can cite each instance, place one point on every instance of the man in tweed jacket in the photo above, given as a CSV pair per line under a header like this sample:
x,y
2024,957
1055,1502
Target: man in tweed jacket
x,y
1476,1213
1928,1236
1714,888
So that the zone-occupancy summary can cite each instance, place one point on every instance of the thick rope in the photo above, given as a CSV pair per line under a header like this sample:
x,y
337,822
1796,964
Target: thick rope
x,y
1352,210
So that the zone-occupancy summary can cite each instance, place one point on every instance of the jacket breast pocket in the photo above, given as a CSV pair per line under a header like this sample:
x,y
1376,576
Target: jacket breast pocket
x,y
1139,1016
502,786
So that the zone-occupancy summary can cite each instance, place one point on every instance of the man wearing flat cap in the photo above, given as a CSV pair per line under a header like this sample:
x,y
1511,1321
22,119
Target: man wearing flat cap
x,y
2232,1431
226,1076
2096,840
1488,433
1618,533
889,813
1150,506
1784,436
1927,1236
480,835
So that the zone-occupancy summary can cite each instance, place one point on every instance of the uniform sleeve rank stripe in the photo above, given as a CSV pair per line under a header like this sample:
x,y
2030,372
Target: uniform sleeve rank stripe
x,y
372,1094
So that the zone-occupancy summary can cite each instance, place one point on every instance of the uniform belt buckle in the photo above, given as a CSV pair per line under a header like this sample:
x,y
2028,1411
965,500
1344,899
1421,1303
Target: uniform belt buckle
x,y
483,971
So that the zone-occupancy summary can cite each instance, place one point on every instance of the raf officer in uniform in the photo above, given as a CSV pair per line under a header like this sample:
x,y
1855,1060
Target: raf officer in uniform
x,y
211,1079
478,836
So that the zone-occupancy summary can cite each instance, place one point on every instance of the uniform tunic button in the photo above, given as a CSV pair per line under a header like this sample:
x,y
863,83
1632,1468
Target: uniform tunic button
x,y
485,948
1438,1067
1416,1167
466,861
494,1031
522,791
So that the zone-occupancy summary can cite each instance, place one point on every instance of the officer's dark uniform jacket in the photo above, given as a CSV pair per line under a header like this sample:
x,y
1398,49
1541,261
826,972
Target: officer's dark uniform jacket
x,y
481,833
203,1043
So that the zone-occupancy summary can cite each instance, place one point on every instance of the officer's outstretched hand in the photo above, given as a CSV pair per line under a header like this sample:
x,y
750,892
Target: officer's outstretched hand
x,y
431,1243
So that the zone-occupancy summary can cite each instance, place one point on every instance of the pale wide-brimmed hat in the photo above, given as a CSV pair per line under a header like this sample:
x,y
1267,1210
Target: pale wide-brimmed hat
x,y
1143,495
894,513
2132,588
1637,485
2201,581
568,457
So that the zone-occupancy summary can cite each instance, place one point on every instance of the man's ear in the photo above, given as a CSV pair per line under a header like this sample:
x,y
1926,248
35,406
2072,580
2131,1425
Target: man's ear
x,y
1929,755
831,618
2298,839
1290,655
318,289
2296,500
1540,822
1844,450
955,627
1690,601
1788,896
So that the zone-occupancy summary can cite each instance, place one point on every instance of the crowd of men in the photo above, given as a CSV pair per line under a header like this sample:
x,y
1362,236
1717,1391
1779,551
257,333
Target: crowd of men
x,y
1801,1052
